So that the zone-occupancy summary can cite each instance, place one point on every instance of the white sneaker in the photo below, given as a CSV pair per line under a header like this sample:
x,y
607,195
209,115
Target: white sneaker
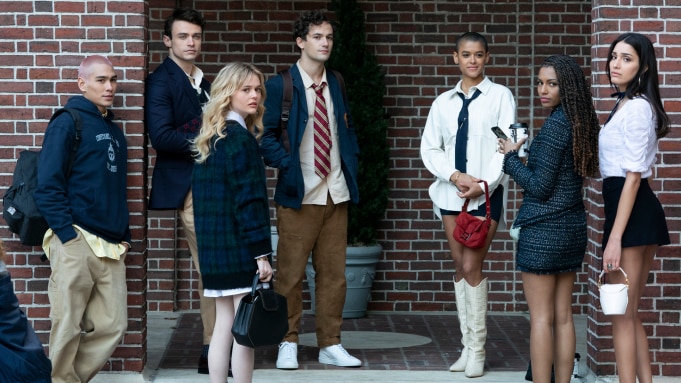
x,y
337,356
288,356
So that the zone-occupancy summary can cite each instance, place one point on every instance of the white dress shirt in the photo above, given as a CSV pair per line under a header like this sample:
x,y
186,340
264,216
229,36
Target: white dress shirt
x,y
628,142
494,107
316,188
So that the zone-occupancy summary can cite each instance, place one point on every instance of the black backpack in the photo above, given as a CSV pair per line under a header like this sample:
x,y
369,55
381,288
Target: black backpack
x,y
19,209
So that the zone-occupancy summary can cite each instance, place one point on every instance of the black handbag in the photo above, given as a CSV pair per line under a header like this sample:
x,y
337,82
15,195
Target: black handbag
x,y
262,317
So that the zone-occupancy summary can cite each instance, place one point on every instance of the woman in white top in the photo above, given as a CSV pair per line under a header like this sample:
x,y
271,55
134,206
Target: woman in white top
x,y
459,159
634,220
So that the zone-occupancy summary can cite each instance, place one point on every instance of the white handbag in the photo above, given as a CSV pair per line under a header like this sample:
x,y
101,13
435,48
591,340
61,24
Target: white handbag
x,y
614,296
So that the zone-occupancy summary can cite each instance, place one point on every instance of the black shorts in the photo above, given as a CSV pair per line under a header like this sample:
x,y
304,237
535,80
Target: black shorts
x,y
496,201
647,224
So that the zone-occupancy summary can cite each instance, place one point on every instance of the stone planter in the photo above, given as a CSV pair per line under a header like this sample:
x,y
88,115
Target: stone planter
x,y
360,269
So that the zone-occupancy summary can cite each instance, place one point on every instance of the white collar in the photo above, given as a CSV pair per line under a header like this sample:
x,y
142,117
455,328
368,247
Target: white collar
x,y
234,116
307,80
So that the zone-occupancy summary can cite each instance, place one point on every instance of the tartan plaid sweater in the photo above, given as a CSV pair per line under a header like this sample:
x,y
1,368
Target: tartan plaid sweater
x,y
231,210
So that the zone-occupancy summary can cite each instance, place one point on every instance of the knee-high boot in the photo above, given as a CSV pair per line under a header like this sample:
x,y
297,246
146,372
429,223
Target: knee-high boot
x,y
476,308
460,290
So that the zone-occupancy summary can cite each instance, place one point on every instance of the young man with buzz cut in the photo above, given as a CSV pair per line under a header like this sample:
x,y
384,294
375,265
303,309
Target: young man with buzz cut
x,y
86,208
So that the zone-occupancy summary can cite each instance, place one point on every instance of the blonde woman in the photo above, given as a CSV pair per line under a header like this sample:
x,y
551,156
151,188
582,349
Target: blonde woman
x,y
231,209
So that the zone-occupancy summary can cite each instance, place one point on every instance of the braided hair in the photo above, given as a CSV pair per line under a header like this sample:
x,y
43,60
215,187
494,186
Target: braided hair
x,y
575,98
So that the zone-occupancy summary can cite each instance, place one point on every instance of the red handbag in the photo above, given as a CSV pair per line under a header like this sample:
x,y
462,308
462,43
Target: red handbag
x,y
471,231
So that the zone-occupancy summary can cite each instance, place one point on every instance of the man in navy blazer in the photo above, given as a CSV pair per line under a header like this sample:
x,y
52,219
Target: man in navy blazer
x,y
313,191
175,95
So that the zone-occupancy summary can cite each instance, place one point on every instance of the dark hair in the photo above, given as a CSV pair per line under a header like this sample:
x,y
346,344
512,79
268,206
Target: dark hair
x,y
183,14
471,36
302,26
648,85
575,98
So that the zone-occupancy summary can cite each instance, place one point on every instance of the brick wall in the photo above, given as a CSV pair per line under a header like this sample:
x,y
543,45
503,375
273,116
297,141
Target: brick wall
x,y
661,303
41,45
414,42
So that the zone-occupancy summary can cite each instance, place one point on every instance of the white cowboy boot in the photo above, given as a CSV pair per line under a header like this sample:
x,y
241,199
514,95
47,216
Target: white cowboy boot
x,y
460,290
476,308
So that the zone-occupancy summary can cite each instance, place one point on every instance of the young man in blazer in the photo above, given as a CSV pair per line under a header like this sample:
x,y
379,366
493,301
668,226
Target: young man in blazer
x,y
175,95
312,205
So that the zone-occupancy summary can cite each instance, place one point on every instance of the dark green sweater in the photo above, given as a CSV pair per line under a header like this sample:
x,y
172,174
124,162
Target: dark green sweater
x,y
231,210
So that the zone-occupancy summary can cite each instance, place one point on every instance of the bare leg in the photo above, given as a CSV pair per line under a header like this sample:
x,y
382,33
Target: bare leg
x,y
564,327
468,265
540,292
632,353
221,345
243,358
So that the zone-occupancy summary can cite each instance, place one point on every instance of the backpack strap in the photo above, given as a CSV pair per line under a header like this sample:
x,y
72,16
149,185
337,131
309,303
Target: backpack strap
x,y
78,124
286,100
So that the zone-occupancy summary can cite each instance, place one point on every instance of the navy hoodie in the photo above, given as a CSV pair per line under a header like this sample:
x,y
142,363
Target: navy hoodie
x,y
94,196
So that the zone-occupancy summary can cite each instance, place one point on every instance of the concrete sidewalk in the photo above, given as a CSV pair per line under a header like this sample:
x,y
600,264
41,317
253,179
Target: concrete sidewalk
x,y
162,324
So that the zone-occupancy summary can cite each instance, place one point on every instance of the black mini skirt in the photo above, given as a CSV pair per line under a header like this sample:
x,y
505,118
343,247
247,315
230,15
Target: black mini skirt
x,y
647,224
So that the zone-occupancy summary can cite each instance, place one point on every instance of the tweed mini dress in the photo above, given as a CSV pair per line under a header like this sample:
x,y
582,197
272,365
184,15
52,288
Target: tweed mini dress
x,y
552,218
554,245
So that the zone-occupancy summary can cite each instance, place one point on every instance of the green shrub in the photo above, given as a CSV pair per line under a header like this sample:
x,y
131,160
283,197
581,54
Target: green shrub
x,y
366,89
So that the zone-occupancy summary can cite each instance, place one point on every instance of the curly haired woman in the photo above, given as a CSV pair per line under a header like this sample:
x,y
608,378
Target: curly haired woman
x,y
552,219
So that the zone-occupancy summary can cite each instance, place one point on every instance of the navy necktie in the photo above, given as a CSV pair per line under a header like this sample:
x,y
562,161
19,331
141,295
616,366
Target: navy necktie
x,y
462,134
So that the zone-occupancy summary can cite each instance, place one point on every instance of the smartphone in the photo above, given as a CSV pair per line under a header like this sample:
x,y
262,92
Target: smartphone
x,y
499,133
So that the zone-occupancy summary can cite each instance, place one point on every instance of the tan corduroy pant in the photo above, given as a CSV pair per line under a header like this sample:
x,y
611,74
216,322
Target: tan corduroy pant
x,y
89,310
321,230
207,305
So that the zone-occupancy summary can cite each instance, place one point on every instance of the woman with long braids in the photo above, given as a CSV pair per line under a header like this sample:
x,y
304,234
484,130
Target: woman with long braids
x,y
635,224
552,219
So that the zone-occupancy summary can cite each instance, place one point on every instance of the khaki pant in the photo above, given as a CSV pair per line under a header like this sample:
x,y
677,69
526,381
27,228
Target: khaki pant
x,y
321,230
89,310
207,305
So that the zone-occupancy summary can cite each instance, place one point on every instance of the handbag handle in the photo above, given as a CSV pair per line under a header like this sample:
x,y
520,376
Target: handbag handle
x,y
488,214
600,277
256,280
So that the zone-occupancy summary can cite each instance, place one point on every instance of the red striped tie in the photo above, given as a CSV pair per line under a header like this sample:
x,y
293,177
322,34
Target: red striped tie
x,y
322,135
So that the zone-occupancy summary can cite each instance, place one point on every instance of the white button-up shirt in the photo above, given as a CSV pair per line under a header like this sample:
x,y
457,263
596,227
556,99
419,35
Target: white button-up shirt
x,y
316,188
494,107
628,142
